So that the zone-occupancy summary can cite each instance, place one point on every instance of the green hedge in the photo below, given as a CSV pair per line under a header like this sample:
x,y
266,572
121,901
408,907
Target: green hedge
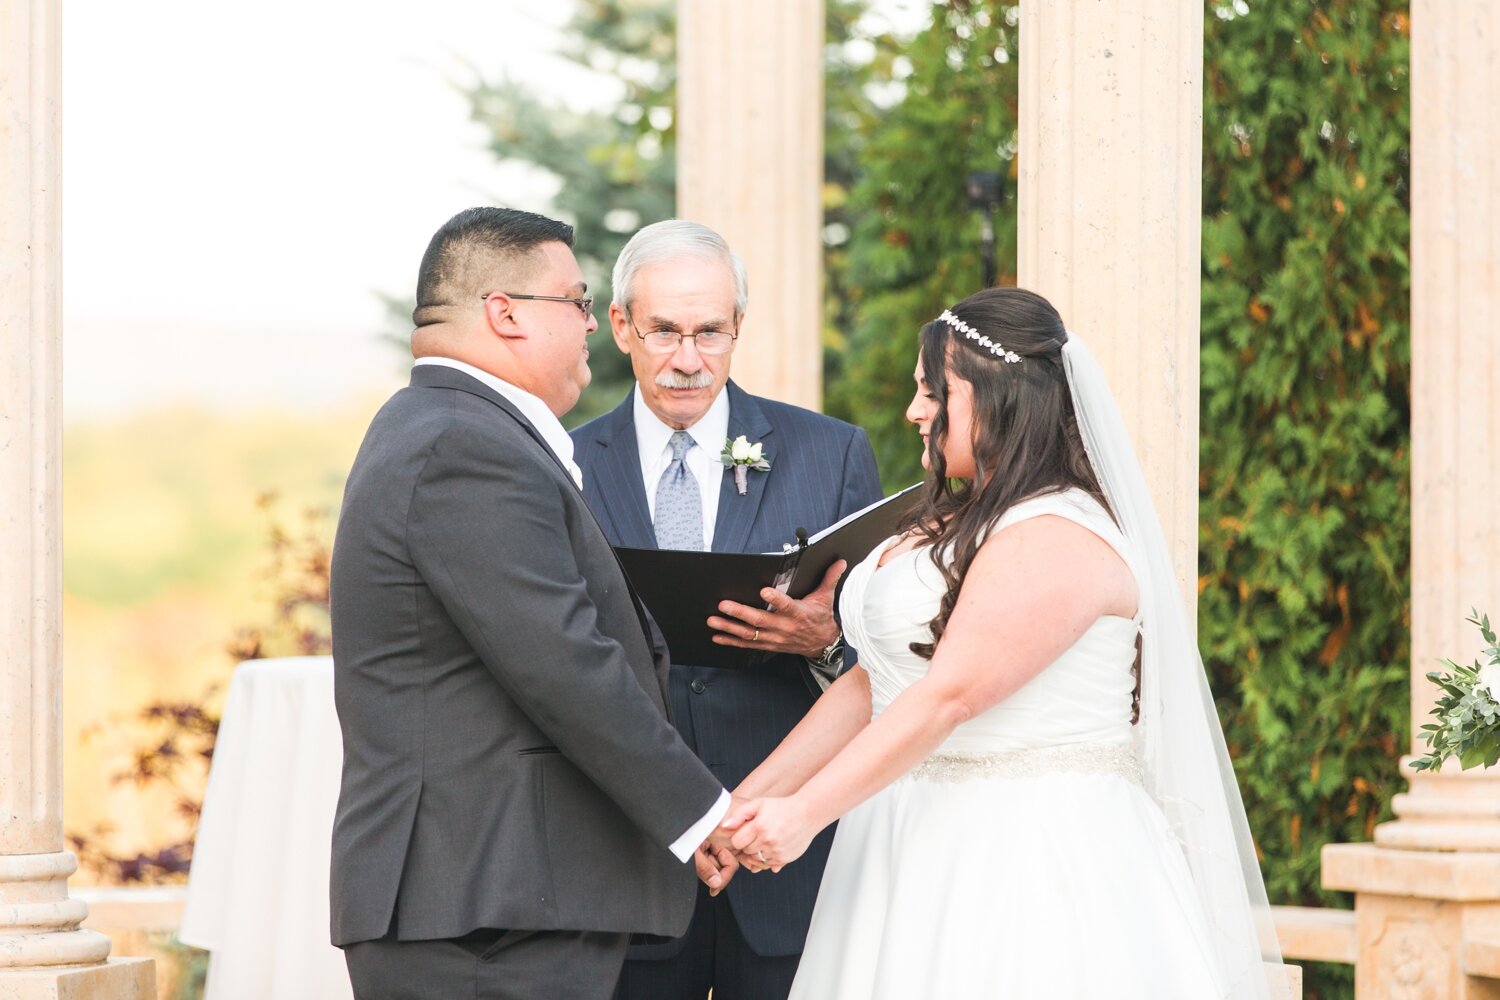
x,y
1305,519
916,245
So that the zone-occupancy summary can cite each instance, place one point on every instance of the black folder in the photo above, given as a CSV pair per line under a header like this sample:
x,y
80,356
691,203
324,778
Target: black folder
x,y
682,588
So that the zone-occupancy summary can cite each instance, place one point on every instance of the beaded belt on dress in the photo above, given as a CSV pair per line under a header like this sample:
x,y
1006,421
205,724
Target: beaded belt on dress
x,y
1117,759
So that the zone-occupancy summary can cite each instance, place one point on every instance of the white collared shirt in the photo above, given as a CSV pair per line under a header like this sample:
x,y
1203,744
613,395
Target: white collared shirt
x,y
653,444
552,432
652,440
532,408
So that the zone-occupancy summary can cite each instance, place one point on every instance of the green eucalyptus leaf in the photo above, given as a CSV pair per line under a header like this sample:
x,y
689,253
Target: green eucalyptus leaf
x,y
1473,756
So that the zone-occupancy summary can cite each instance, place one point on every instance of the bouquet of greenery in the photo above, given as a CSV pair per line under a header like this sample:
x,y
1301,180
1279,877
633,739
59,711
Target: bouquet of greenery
x,y
1468,710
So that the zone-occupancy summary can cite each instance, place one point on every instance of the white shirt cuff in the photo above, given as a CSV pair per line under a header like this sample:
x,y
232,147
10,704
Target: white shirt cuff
x,y
685,845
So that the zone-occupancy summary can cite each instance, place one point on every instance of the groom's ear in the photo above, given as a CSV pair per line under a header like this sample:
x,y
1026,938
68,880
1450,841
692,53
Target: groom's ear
x,y
499,316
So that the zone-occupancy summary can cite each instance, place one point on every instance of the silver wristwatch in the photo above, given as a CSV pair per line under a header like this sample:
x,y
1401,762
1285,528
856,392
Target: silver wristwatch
x,y
826,665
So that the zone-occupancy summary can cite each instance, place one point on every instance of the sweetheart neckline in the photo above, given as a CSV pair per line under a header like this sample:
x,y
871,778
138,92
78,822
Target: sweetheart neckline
x,y
886,550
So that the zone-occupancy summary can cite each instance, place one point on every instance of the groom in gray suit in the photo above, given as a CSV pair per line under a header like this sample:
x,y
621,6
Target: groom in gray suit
x,y
652,474
513,795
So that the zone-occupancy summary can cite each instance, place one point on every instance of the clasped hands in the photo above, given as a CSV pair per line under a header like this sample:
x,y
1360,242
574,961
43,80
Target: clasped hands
x,y
756,834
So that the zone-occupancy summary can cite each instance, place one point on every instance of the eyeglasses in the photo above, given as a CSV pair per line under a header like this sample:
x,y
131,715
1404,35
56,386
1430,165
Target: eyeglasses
x,y
667,341
585,305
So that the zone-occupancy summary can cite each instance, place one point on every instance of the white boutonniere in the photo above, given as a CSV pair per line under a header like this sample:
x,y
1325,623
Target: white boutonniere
x,y
742,456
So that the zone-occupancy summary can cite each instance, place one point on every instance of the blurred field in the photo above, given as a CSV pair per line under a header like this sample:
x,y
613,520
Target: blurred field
x,y
164,548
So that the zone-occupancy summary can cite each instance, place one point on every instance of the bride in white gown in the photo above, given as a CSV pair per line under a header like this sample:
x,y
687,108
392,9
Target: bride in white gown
x,y
1020,817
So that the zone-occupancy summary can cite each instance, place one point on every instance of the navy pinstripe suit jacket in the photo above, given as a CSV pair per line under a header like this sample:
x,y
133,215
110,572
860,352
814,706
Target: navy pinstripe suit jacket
x,y
822,469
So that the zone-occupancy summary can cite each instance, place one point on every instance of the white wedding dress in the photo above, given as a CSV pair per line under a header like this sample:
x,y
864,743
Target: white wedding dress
x,y
1022,860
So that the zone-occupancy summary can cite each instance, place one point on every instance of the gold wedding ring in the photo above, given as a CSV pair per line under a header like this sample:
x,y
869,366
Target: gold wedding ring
x,y
761,855
756,636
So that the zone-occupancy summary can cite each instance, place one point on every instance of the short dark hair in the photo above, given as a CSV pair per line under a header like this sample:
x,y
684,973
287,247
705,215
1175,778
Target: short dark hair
x,y
477,247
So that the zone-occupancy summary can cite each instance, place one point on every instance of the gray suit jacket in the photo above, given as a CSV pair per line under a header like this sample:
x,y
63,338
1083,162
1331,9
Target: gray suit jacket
x,y
508,761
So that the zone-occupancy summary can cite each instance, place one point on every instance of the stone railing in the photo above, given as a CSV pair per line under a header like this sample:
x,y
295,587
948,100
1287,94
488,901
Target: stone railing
x,y
1323,934
1316,934
142,922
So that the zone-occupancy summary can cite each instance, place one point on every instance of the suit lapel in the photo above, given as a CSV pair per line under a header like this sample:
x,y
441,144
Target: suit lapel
x,y
737,513
451,378
616,488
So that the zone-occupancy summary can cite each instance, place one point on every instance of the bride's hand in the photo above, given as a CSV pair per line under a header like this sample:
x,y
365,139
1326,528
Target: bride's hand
x,y
772,832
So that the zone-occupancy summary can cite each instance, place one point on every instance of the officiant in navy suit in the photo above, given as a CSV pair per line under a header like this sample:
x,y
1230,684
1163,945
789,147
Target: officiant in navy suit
x,y
653,476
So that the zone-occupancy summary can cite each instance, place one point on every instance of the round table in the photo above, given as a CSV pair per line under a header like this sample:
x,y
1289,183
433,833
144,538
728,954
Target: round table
x,y
258,890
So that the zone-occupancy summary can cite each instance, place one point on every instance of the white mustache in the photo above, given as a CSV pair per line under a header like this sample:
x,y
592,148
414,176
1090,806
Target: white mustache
x,y
674,379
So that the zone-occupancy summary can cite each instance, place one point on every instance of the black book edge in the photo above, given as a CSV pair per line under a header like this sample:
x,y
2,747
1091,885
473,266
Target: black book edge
x,y
681,588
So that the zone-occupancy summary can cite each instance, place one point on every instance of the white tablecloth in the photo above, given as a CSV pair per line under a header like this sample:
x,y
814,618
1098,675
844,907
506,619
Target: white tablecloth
x,y
258,891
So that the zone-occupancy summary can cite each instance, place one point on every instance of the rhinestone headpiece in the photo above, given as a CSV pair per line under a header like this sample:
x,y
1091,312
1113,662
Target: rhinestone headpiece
x,y
1011,357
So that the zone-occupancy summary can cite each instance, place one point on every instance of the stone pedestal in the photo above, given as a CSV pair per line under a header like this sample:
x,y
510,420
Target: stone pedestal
x,y
1110,218
1427,892
1418,915
1447,810
43,953
116,979
750,165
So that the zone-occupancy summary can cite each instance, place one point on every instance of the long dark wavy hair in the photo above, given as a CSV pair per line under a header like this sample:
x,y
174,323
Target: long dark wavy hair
x,y
1025,435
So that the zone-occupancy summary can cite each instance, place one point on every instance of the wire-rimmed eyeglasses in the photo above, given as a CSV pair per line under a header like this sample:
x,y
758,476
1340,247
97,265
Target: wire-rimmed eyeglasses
x,y
585,305
667,341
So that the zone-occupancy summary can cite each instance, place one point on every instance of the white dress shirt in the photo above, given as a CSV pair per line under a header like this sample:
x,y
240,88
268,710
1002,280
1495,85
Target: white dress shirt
x,y
653,443
552,432
532,408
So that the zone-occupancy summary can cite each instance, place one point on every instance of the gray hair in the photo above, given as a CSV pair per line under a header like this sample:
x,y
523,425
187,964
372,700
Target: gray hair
x,y
673,239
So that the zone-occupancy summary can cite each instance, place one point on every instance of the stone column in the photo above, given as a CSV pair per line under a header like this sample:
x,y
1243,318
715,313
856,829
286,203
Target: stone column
x,y
1109,227
1110,197
1455,347
43,953
1427,898
750,165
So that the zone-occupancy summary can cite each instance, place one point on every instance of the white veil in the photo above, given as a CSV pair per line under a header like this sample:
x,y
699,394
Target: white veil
x,y
1186,763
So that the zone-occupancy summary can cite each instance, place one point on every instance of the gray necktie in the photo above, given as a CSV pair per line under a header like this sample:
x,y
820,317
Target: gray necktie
x,y
679,506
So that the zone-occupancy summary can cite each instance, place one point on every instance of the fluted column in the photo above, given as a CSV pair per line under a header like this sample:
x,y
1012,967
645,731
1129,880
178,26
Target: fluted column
x,y
1110,217
43,953
750,165
1455,347
1430,885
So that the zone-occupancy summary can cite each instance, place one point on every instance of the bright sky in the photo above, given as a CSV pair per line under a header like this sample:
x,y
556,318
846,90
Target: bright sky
x,y
239,181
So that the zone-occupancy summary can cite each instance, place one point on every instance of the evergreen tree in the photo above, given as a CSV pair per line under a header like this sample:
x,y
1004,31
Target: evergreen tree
x,y
916,246
1305,507
616,169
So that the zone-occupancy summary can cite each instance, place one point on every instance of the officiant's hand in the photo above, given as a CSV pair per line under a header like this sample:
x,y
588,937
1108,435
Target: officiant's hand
x,y
804,627
771,833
